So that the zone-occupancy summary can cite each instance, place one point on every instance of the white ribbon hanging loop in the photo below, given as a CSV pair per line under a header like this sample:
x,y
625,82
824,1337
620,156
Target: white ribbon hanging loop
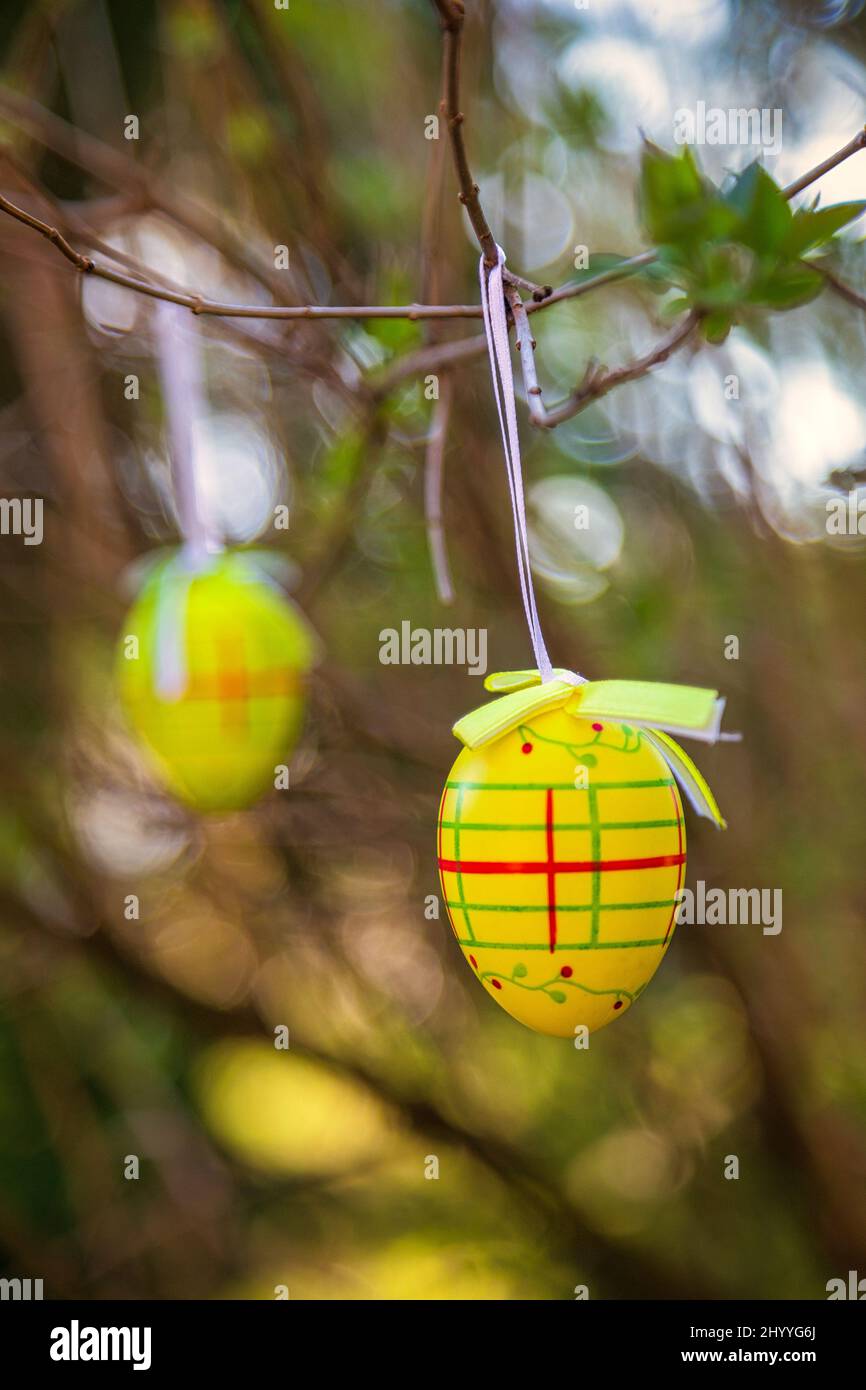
x,y
496,329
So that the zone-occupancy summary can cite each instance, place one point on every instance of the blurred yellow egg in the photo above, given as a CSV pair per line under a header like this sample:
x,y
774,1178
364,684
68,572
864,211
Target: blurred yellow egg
x,y
212,671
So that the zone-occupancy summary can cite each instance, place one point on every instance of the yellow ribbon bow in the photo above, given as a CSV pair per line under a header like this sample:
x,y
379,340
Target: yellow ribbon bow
x,y
653,706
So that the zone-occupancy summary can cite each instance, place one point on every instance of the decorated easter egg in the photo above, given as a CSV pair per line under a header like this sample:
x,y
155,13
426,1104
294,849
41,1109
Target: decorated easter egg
x,y
212,668
561,852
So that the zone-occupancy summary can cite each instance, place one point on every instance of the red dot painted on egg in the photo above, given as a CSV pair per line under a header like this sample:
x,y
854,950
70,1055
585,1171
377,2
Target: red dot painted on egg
x,y
566,972
527,748
473,962
496,984
598,728
618,1004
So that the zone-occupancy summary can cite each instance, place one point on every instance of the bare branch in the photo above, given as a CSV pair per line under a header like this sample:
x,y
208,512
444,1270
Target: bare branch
x,y
538,292
594,282
433,470
119,171
430,359
51,234
598,380
858,143
452,20
451,13
838,286
198,304
525,344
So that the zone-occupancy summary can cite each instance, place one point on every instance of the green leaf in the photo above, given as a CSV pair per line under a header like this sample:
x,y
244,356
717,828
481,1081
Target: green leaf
x,y
670,189
675,307
556,995
599,262
663,272
716,326
722,276
787,288
764,218
811,229
519,971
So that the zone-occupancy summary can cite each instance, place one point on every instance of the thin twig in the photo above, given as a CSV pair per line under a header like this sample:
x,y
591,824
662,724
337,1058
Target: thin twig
x,y
198,304
430,289
538,292
51,234
593,282
426,360
430,219
838,286
75,222
452,23
598,380
119,171
525,344
450,354
452,15
858,143
433,471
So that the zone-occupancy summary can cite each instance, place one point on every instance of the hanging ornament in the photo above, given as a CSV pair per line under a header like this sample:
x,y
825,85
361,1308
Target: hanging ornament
x,y
213,657
561,842
217,691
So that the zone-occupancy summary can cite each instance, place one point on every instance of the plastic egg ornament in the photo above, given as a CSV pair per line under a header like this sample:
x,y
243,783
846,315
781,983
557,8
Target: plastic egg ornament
x,y
212,667
561,852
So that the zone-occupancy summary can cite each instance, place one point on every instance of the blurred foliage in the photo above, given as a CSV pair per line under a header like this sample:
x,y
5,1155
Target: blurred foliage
x,y
728,250
153,1036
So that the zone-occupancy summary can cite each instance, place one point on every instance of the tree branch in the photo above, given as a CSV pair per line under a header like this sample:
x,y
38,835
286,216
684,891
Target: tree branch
x,y
83,263
452,17
597,383
119,171
433,469
858,143
838,286
597,380
430,359
115,168
198,304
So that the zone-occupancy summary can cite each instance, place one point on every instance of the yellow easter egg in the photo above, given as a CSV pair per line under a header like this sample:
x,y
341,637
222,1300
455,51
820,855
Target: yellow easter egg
x,y
212,671
561,853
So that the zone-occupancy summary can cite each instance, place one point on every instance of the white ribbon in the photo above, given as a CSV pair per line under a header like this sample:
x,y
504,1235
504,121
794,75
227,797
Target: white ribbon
x,y
496,329
180,373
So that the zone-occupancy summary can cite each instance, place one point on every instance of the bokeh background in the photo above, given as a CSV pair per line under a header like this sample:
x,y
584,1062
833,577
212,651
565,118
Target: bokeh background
x,y
154,1037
